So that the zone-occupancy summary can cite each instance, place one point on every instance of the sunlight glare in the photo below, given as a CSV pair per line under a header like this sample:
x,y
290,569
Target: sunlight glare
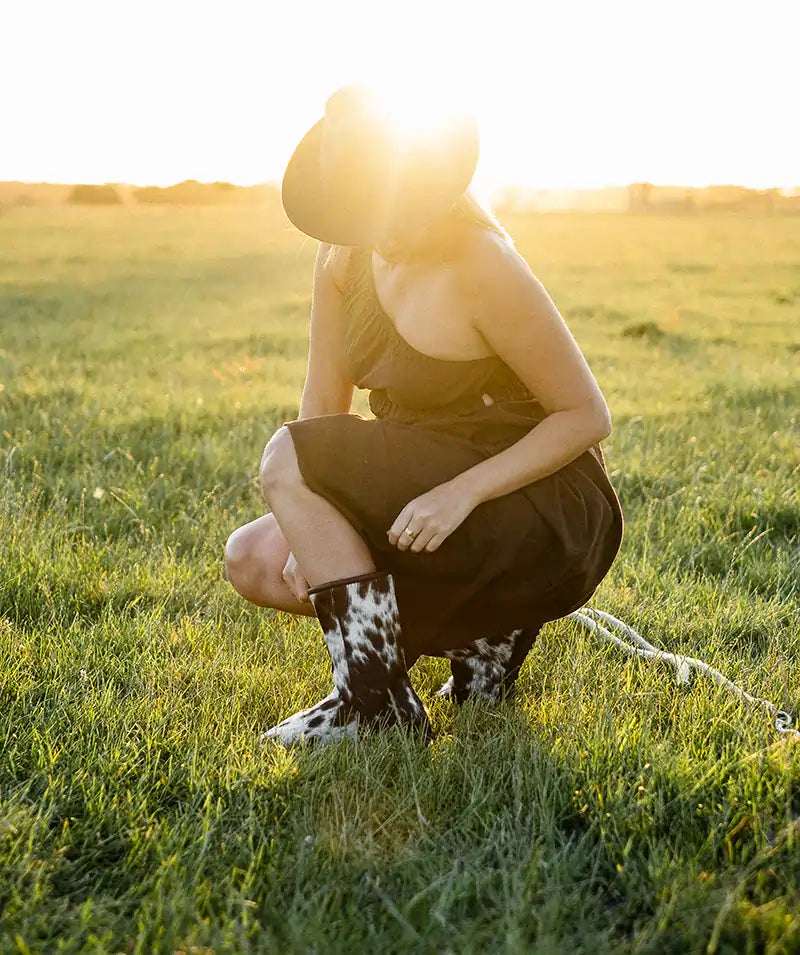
x,y
614,93
418,110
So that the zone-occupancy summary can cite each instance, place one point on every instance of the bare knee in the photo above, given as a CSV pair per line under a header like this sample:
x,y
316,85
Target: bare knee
x,y
241,558
255,555
279,470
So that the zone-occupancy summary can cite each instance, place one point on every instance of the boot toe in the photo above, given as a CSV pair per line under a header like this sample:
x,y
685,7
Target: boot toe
x,y
323,722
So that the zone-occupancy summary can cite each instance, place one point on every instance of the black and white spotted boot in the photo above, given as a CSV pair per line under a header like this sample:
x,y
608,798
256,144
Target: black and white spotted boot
x,y
487,669
361,625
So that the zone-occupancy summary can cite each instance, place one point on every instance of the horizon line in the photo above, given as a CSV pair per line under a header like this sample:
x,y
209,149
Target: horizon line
x,y
491,189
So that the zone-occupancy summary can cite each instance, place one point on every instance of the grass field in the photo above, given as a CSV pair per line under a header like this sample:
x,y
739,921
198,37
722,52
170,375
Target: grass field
x,y
145,358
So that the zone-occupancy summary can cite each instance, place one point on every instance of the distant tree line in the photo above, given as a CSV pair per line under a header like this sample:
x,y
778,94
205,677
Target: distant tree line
x,y
647,197
187,193
89,195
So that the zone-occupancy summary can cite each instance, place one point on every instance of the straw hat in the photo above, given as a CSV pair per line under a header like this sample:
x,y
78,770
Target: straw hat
x,y
357,177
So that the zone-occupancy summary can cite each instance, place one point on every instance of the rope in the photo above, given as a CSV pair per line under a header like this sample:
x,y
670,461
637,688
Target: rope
x,y
635,644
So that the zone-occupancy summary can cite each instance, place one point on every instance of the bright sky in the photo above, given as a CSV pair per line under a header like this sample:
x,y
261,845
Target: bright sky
x,y
567,93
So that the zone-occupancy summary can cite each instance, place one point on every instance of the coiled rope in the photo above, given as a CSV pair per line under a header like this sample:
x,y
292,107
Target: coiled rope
x,y
634,644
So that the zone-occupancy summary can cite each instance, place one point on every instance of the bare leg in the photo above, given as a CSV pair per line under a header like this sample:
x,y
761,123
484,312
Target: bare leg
x,y
357,610
327,547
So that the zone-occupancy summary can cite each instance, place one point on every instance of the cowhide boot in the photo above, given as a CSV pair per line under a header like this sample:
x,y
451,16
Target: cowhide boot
x,y
361,625
487,669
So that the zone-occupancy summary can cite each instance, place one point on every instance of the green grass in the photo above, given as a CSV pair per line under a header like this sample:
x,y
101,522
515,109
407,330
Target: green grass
x,y
145,358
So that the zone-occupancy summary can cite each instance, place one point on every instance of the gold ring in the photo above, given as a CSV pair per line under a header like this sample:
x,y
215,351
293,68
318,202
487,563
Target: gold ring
x,y
411,534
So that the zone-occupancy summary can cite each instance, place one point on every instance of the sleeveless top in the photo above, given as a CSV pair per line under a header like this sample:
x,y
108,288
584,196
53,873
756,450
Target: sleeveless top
x,y
405,383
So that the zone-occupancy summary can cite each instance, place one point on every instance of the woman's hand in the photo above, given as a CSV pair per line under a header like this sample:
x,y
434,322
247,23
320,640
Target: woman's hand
x,y
430,519
294,580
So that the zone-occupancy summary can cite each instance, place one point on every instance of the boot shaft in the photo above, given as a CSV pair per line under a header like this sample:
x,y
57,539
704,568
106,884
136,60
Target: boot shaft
x,y
487,669
361,624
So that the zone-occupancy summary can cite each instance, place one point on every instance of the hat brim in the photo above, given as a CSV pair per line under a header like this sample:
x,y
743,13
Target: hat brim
x,y
422,188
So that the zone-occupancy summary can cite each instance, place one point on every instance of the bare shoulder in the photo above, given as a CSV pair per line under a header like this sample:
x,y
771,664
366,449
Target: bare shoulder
x,y
332,263
511,310
497,279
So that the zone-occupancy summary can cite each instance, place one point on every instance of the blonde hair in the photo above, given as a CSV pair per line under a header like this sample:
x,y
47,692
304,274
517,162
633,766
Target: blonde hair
x,y
470,210
441,240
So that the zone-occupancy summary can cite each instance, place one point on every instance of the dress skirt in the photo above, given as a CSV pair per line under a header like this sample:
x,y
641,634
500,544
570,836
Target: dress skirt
x,y
517,561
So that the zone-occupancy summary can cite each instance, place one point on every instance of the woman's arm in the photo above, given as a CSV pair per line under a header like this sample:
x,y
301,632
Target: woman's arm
x,y
327,389
517,318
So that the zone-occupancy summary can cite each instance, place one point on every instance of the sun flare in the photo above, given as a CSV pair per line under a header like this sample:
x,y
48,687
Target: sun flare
x,y
418,110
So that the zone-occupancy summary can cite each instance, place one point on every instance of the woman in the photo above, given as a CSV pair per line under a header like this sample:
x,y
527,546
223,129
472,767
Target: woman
x,y
475,506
